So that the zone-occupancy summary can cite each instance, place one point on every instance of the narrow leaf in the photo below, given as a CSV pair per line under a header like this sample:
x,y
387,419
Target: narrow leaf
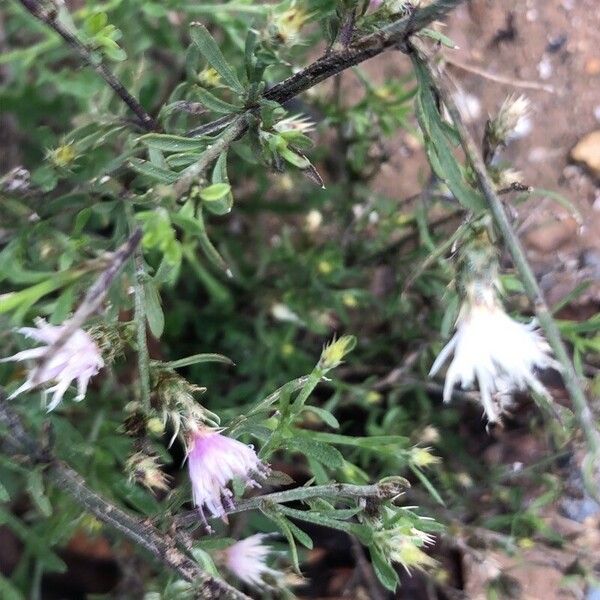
x,y
159,174
211,51
173,143
198,359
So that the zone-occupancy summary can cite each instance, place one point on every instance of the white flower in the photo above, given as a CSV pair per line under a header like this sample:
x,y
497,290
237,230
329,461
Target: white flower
x,y
213,461
247,560
497,351
79,358
514,119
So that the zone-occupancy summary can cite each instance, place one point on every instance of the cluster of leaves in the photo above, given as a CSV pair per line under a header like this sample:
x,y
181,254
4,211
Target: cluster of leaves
x,y
252,260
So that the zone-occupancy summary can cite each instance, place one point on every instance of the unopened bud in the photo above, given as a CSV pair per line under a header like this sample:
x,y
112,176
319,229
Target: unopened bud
x,y
333,354
146,470
422,457
63,156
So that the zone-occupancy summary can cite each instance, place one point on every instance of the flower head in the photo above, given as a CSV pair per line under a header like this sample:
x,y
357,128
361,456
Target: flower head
x,y
214,460
494,349
247,560
403,544
146,470
286,25
513,120
334,352
179,406
296,123
79,358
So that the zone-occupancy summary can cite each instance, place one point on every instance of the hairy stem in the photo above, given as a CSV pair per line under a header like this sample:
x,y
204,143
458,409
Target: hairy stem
x,y
210,155
532,289
383,490
365,47
21,445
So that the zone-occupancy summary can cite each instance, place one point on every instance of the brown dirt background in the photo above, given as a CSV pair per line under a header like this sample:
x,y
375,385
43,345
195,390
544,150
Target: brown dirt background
x,y
553,43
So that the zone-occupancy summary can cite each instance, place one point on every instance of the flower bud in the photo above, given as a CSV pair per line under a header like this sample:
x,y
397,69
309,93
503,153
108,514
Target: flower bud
x,y
62,156
178,405
209,77
287,25
422,457
145,470
334,353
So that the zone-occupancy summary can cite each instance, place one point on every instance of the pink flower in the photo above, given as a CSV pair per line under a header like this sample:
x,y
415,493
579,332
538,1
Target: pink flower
x,y
213,461
247,560
79,358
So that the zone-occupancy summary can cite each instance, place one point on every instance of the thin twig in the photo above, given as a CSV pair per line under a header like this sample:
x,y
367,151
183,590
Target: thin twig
x,y
331,64
160,546
530,284
48,17
519,83
92,300
384,491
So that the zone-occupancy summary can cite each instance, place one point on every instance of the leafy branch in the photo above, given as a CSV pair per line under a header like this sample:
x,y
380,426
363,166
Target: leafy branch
x,y
530,284
19,444
394,35
384,490
49,18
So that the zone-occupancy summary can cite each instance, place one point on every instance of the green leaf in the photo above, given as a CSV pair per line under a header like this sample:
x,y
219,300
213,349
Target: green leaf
x,y
153,172
384,571
29,296
214,192
154,312
211,51
439,150
8,591
35,544
173,143
294,158
223,205
325,454
301,536
438,37
35,487
215,104
425,481
197,359
324,415
197,228
274,513
4,495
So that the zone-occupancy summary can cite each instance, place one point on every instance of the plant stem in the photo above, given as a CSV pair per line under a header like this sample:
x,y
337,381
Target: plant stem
x,y
332,63
164,549
532,289
197,170
311,383
48,17
139,316
382,490
92,300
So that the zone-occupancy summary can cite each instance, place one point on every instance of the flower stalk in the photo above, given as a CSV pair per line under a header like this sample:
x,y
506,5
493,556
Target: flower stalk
x,y
530,284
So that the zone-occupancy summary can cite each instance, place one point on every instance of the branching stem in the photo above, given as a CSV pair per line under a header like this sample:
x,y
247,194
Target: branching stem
x,y
48,17
19,443
532,289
